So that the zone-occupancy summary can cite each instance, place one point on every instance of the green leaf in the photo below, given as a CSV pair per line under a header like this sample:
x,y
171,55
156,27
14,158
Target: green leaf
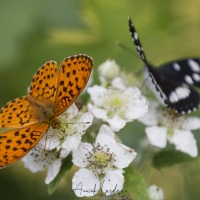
x,y
134,185
66,165
167,158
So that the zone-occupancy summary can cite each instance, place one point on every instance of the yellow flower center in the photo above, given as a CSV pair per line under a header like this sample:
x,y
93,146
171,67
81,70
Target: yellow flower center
x,y
100,159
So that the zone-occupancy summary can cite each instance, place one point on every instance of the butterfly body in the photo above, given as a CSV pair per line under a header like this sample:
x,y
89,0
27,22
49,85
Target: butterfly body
x,y
52,91
42,111
173,81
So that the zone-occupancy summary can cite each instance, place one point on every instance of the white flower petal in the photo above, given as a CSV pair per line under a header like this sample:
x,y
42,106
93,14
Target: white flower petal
x,y
97,93
80,154
85,183
38,159
97,112
105,136
116,123
48,141
124,156
72,111
155,193
157,136
72,142
151,117
109,69
137,104
191,123
84,122
113,182
137,110
184,141
53,170
118,83
133,91
64,153
31,164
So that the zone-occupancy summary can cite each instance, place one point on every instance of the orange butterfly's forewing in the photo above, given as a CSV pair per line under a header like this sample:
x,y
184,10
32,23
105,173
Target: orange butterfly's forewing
x,y
74,73
15,144
44,83
51,92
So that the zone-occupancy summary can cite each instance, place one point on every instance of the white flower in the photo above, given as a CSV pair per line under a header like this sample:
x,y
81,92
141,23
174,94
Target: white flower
x,y
116,106
101,165
155,193
58,143
39,158
166,125
108,70
68,136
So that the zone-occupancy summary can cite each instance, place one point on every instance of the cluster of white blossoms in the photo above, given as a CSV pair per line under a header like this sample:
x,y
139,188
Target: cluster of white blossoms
x,y
102,162
58,143
115,103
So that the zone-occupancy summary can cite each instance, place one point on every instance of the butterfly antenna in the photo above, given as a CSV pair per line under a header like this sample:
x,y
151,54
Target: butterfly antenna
x,y
45,144
54,135
124,47
136,41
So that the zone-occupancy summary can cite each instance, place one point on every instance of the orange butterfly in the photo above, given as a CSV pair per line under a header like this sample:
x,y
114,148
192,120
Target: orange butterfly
x,y
52,91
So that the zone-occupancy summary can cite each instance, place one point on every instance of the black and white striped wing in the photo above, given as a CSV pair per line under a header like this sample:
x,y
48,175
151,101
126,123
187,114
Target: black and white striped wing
x,y
173,81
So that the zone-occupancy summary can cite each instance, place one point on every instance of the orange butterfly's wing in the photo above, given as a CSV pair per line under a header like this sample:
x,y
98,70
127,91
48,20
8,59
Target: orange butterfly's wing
x,y
17,143
51,92
74,73
44,83
16,114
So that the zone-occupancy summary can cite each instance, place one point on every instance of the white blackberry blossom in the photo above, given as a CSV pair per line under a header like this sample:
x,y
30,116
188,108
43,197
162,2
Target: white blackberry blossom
x,y
58,143
101,165
108,70
166,125
116,106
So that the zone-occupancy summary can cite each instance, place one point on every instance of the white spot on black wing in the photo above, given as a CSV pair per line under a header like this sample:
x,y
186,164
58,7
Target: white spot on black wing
x,y
176,67
178,94
196,77
135,36
194,66
173,98
188,80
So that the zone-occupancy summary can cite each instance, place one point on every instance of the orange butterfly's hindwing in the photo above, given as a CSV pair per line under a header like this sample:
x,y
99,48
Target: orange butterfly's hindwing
x,y
17,143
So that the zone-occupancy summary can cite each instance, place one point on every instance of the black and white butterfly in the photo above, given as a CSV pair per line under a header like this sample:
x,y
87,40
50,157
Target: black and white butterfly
x,y
173,81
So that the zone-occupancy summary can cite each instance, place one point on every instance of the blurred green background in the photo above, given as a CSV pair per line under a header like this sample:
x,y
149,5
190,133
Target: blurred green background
x,y
33,32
